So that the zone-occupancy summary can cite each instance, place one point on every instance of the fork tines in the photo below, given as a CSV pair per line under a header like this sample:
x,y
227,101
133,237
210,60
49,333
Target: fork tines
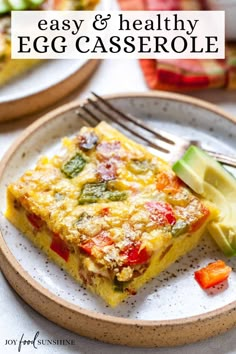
x,y
168,145
98,110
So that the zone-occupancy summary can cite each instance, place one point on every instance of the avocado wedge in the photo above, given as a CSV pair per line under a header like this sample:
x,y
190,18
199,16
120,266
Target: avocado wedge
x,y
212,181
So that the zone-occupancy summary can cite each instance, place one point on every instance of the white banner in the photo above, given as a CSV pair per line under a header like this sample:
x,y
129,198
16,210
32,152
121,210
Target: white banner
x,y
118,34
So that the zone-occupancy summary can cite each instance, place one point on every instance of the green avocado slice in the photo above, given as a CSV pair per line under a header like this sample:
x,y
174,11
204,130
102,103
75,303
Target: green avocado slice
x,y
212,181
18,4
35,3
4,7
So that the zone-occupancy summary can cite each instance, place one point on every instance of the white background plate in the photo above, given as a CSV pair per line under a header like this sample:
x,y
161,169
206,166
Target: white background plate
x,y
39,78
53,74
166,297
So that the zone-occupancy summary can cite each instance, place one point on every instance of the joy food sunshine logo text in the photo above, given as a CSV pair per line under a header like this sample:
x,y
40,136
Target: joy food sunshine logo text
x,y
35,342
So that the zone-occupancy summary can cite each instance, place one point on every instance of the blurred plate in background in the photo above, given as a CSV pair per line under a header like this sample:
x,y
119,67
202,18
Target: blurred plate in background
x,y
229,6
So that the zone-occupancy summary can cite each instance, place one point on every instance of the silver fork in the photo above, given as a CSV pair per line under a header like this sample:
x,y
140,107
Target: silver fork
x,y
169,146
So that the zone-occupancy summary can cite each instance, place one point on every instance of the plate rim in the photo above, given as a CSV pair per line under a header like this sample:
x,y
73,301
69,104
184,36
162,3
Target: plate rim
x,y
35,102
8,99
147,333
106,6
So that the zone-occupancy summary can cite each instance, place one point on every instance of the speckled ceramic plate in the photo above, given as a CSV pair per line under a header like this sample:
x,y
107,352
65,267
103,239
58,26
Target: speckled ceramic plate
x,y
170,310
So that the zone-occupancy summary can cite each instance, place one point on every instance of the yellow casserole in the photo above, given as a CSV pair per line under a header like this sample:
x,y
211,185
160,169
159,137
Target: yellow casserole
x,y
108,211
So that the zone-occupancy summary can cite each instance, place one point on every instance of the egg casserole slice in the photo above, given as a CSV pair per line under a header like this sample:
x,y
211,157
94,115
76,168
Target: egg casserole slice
x,y
11,68
108,211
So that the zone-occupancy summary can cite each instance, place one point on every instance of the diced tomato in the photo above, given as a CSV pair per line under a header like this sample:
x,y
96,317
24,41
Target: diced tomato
x,y
168,183
212,274
197,224
107,171
135,255
161,212
60,247
35,220
100,240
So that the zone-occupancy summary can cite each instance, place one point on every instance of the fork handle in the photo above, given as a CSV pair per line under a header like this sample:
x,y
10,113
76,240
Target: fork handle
x,y
225,159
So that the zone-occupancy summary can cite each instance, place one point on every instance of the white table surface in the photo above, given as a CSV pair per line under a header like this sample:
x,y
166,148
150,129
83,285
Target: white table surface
x,y
16,317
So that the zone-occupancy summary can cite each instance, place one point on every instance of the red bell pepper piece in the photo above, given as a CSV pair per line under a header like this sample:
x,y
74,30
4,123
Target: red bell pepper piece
x,y
100,240
135,255
161,212
104,211
87,246
60,247
196,225
212,274
168,183
35,220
